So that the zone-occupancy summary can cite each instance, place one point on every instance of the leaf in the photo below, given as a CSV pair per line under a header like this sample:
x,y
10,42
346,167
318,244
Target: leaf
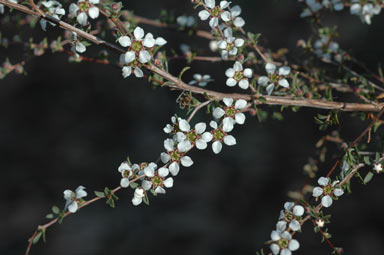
x,y
100,194
146,199
133,185
111,202
262,99
49,216
183,71
367,161
55,209
368,177
37,237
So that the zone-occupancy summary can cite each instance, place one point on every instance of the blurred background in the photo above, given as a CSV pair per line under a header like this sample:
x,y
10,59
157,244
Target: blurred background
x,y
66,125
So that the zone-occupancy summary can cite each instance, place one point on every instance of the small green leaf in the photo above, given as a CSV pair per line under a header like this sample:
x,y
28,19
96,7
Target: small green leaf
x,y
367,161
99,194
146,199
183,71
133,185
368,177
262,99
55,209
49,216
37,237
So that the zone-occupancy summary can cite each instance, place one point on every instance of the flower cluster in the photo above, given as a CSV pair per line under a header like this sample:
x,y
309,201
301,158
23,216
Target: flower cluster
x,y
152,179
82,9
52,8
328,191
365,10
289,222
314,6
139,52
274,79
226,42
74,199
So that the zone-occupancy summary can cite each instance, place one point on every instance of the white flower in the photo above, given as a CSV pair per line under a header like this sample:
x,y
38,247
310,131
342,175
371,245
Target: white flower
x,y
235,12
176,155
77,46
52,8
201,80
83,9
139,51
324,48
169,128
219,136
215,12
230,45
232,113
213,46
274,78
237,75
138,196
328,192
126,171
320,223
74,198
313,7
378,168
156,180
198,136
292,215
283,243
365,12
186,21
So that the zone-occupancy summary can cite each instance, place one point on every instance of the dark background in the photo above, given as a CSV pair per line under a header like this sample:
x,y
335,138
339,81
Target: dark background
x,y
66,125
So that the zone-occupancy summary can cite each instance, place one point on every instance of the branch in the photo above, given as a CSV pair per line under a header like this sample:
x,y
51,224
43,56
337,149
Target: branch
x,y
178,84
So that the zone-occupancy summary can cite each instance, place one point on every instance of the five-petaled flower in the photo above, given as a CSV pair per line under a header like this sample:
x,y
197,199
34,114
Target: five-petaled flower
x,y
82,9
219,136
238,75
73,199
215,12
378,168
283,243
328,191
229,45
325,48
139,51
274,78
198,136
291,215
176,155
156,180
232,113
201,80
